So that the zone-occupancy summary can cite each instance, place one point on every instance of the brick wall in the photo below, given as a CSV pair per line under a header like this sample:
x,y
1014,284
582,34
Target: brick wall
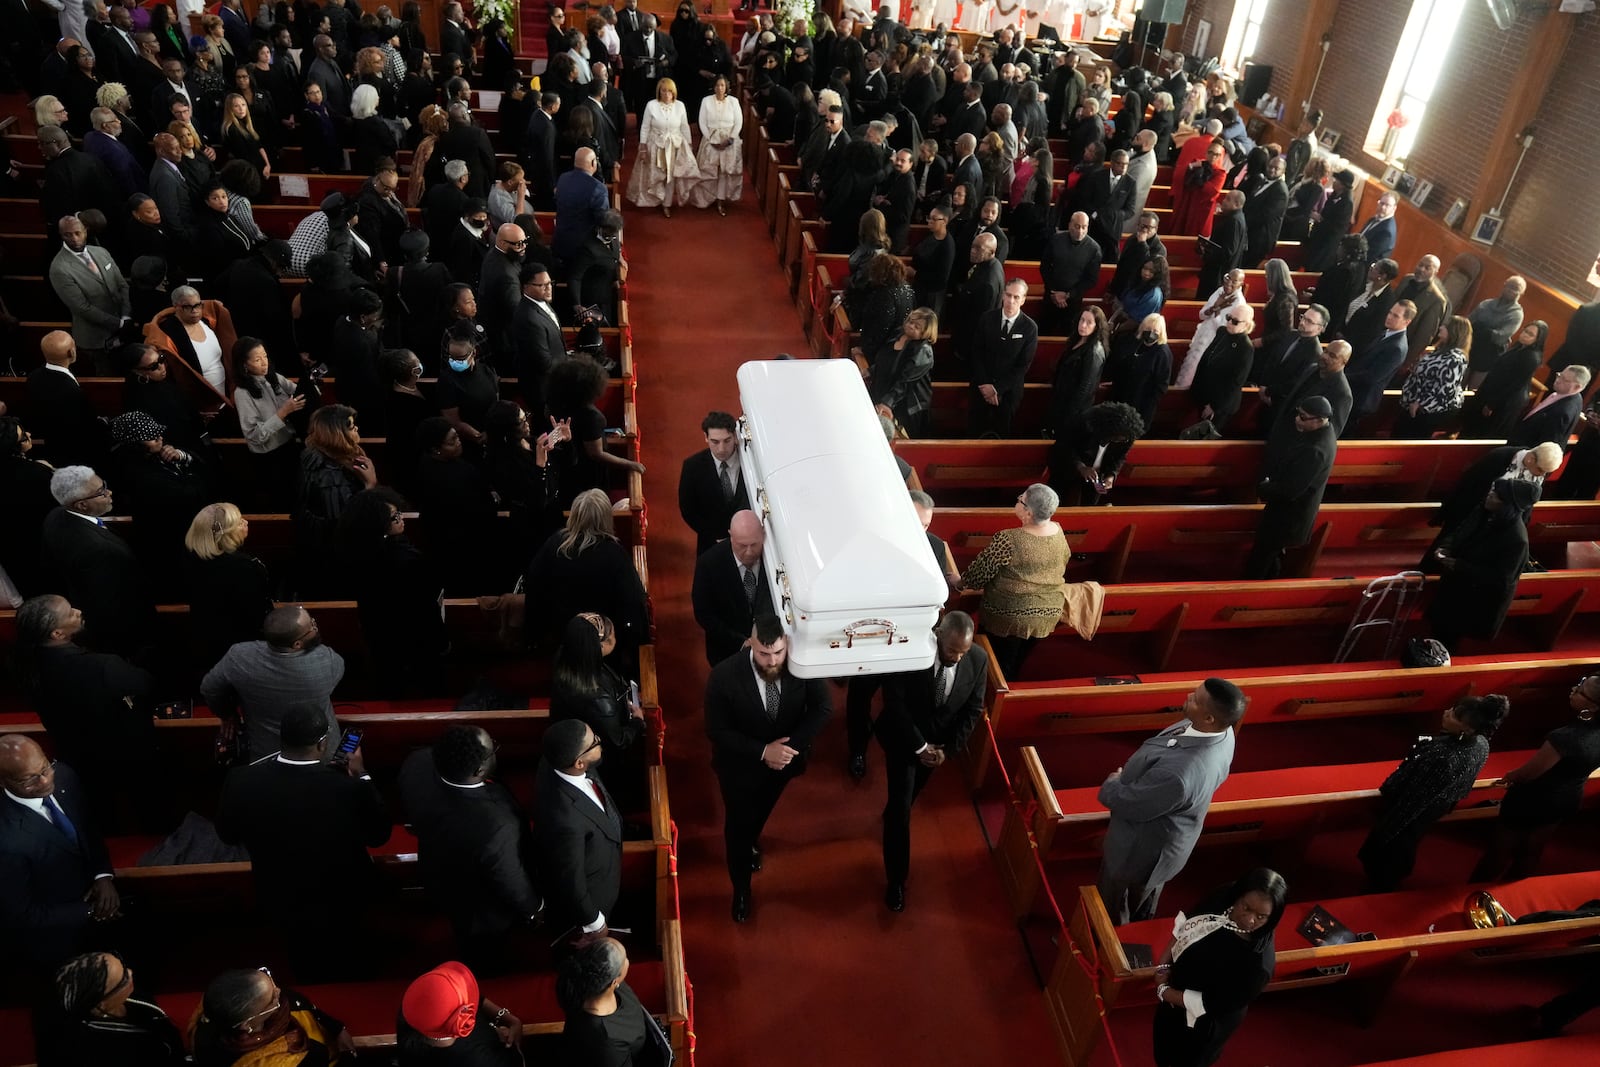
x,y
1552,225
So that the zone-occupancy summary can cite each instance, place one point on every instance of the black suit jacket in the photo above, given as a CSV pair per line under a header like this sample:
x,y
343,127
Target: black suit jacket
x,y
1220,375
61,416
1108,201
43,875
76,181
580,851
97,571
720,606
978,294
910,719
1278,368
539,158
1370,370
307,829
95,707
1264,205
1003,362
536,345
737,723
469,144
475,848
701,503
606,133
453,40
1554,423
969,172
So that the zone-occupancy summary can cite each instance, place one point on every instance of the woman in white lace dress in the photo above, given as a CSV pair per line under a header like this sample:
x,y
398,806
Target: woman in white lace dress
x,y
721,155
665,172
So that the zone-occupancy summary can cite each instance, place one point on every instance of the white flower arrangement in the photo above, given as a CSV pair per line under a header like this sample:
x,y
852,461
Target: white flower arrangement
x,y
790,10
504,10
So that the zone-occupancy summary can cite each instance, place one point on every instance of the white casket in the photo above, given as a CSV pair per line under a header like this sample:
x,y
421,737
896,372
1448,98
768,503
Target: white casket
x,y
849,564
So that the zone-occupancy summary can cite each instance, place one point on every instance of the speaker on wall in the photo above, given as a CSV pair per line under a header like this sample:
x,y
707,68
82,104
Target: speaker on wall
x,y
1168,11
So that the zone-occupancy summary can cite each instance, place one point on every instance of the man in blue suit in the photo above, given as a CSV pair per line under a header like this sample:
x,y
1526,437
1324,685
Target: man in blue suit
x,y
1380,229
1369,371
55,874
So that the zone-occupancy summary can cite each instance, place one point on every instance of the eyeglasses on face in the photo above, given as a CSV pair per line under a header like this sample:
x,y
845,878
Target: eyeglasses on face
x,y
28,781
104,490
160,361
189,307
1236,322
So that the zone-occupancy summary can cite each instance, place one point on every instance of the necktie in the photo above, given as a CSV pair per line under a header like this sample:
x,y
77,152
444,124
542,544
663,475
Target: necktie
x,y
750,586
1005,328
772,700
595,789
727,481
59,817
88,261
941,685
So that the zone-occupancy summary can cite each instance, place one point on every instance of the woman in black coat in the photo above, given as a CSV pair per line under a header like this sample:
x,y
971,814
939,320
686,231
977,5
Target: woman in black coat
x,y
1077,373
585,568
901,376
518,465
148,387
220,241
1434,777
1222,956
397,593
457,509
1494,408
95,1018
402,410
1161,123
499,62
1341,283
25,487
932,260
583,686
1479,562
230,591
1141,374
879,310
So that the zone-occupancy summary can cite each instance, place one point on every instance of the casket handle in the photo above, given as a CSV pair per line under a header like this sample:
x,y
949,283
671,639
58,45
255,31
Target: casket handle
x,y
761,499
787,596
744,431
884,628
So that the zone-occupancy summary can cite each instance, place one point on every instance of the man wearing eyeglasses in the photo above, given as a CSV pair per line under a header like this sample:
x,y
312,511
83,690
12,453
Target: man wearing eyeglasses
x,y
500,285
94,567
1294,475
579,833
536,340
1275,370
1220,375
55,874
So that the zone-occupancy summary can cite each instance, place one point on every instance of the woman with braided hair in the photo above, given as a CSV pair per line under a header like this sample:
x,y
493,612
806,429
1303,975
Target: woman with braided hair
x,y
605,1024
95,1018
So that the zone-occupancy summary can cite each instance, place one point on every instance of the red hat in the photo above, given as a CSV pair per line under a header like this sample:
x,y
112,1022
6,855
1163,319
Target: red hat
x,y
443,1002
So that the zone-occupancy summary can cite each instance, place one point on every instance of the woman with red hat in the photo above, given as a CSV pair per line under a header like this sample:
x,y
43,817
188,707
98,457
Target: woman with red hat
x,y
444,1020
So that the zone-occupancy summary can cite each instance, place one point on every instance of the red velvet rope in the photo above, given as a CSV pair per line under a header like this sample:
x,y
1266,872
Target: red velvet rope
x,y
1091,965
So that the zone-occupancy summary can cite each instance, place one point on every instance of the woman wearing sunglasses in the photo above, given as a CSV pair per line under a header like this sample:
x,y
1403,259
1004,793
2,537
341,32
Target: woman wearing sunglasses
x,y
95,1018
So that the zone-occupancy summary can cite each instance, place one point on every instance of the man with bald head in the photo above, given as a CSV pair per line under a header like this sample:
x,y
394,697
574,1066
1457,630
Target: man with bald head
x,y
73,180
500,285
1433,306
56,880
580,202
977,293
967,170
730,587
1325,378
1070,267
64,423
323,71
1224,249
1223,369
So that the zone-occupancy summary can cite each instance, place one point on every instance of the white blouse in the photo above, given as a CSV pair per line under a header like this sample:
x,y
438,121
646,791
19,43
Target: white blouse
x,y
662,122
208,353
720,120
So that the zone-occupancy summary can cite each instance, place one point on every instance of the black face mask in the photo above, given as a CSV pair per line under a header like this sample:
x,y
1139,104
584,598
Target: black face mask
x,y
1149,337
514,255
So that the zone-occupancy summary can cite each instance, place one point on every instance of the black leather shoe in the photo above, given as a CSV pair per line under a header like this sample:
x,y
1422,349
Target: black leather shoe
x,y
741,906
755,857
894,898
858,767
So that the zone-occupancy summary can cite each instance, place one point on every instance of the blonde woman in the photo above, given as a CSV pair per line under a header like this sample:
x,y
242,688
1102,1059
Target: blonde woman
x,y
239,135
49,111
665,172
586,568
1144,374
229,590
721,157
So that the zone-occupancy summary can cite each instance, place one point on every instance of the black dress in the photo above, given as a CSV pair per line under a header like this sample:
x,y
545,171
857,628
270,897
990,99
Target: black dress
x,y
932,259
1229,972
229,596
577,471
1493,409
621,1039
1473,597
1558,792
481,1048
528,492
1433,778
144,1037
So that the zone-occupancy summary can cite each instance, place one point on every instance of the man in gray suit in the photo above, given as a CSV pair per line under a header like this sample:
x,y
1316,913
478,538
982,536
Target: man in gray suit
x,y
1158,801
92,287
171,189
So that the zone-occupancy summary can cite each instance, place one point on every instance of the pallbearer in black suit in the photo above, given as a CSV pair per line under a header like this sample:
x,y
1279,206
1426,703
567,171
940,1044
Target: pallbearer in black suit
x,y
580,832
927,717
55,874
711,488
307,825
730,587
761,720
1002,351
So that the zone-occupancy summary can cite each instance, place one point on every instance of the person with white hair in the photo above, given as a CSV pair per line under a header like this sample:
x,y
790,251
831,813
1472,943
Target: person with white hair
x,y
94,568
374,138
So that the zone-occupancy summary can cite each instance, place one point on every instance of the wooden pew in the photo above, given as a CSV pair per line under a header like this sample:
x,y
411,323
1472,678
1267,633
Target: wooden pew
x,y
1166,542
1293,805
1075,1013
1042,711
1566,1048
957,471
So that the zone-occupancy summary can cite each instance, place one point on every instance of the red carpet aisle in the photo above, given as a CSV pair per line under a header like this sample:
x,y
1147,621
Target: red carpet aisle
x,y
823,973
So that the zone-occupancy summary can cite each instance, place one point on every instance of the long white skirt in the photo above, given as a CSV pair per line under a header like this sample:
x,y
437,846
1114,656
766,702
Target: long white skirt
x,y
652,186
721,173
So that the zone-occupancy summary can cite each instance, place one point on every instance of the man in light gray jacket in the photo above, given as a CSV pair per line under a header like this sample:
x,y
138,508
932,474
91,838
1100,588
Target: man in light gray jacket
x,y
1158,801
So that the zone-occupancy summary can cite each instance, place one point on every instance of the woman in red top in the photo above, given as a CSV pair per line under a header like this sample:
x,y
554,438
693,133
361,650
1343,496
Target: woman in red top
x,y
1195,192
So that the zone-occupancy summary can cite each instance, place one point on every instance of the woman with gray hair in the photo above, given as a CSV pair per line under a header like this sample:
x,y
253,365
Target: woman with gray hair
x,y
1020,573
605,1021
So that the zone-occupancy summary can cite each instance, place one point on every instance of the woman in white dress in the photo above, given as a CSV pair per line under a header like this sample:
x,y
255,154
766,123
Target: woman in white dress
x,y
721,156
665,172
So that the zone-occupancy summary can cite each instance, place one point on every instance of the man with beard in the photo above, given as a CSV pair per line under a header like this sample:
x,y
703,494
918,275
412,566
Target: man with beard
x,y
256,682
761,720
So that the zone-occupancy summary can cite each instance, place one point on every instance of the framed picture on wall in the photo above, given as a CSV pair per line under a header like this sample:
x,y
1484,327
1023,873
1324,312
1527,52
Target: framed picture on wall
x,y
1487,231
1406,184
1202,37
1419,195
1329,139
1391,175
1457,212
